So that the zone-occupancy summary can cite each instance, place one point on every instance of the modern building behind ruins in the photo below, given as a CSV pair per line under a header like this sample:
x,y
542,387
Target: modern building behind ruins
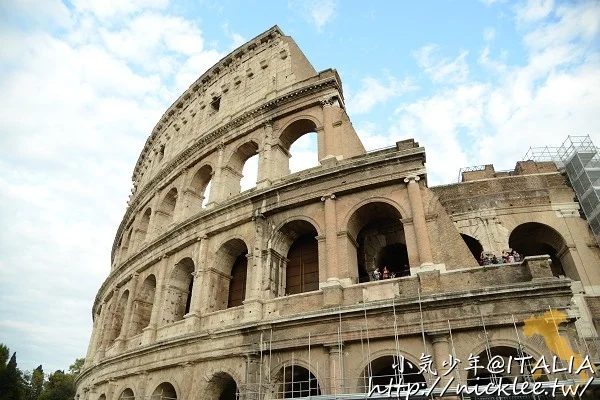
x,y
269,293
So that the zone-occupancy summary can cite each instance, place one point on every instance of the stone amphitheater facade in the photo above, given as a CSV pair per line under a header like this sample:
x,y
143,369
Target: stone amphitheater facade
x,y
269,293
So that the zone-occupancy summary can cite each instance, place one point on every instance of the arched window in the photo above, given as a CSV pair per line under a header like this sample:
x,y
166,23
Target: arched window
x,y
119,314
179,293
230,264
396,369
240,167
166,211
299,147
474,246
482,376
295,381
222,387
381,251
237,285
302,273
143,228
532,238
127,394
143,305
164,391
200,189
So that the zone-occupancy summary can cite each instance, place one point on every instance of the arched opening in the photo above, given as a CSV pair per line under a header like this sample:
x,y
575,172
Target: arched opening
x,y
295,381
294,258
166,211
474,246
199,190
241,173
230,263
164,391
118,316
299,147
127,394
381,252
302,272
179,293
532,238
143,228
237,285
125,246
397,369
222,387
102,397
249,173
142,306
508,355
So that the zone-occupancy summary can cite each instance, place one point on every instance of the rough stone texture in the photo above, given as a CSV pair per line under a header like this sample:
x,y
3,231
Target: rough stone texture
x,y
162,326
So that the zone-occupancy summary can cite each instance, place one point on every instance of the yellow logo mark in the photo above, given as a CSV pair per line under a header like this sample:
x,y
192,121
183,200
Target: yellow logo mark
x,y
546,326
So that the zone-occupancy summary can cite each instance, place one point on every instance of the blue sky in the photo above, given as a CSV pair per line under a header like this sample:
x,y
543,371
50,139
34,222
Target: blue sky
x,y
84,82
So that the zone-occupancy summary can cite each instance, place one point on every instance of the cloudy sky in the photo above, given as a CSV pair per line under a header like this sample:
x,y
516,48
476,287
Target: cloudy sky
x,y
82,84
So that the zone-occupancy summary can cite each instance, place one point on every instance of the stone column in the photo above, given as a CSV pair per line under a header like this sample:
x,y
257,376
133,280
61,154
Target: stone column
x,y
142,378
255,272
265,159
129,311
330,108
151,232
107,325
196,301
418,215
441,353
187,381
331,236
216,188
336,369
149,332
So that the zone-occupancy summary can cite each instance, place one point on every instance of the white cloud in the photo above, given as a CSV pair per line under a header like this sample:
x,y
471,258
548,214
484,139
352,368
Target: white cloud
x,y
534,10
489,34
442,69
320,12
377,91
111,8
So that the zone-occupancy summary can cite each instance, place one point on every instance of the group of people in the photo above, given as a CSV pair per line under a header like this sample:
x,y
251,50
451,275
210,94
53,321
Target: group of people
x,y
385,273
506,258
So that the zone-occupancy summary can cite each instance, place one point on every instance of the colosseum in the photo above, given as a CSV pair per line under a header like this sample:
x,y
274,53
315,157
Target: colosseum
x,y
337,280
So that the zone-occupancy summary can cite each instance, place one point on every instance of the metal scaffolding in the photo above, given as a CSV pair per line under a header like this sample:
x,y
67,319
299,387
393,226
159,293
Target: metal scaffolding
x,y
580,159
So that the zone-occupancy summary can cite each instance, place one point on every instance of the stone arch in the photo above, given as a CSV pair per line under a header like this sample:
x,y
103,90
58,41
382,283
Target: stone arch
x,y
199,190
230,289
296,252
164,391
142,232
125,244
119,315
377,230
143,304
221,386
294,130
507,353
179,292
351,213
127,394
102,397
231,175
294,380
166,211
474,245
380,368
534,238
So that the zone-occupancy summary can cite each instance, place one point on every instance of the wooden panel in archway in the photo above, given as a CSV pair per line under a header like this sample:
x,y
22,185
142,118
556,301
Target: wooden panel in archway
x,y
237,286
303,266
